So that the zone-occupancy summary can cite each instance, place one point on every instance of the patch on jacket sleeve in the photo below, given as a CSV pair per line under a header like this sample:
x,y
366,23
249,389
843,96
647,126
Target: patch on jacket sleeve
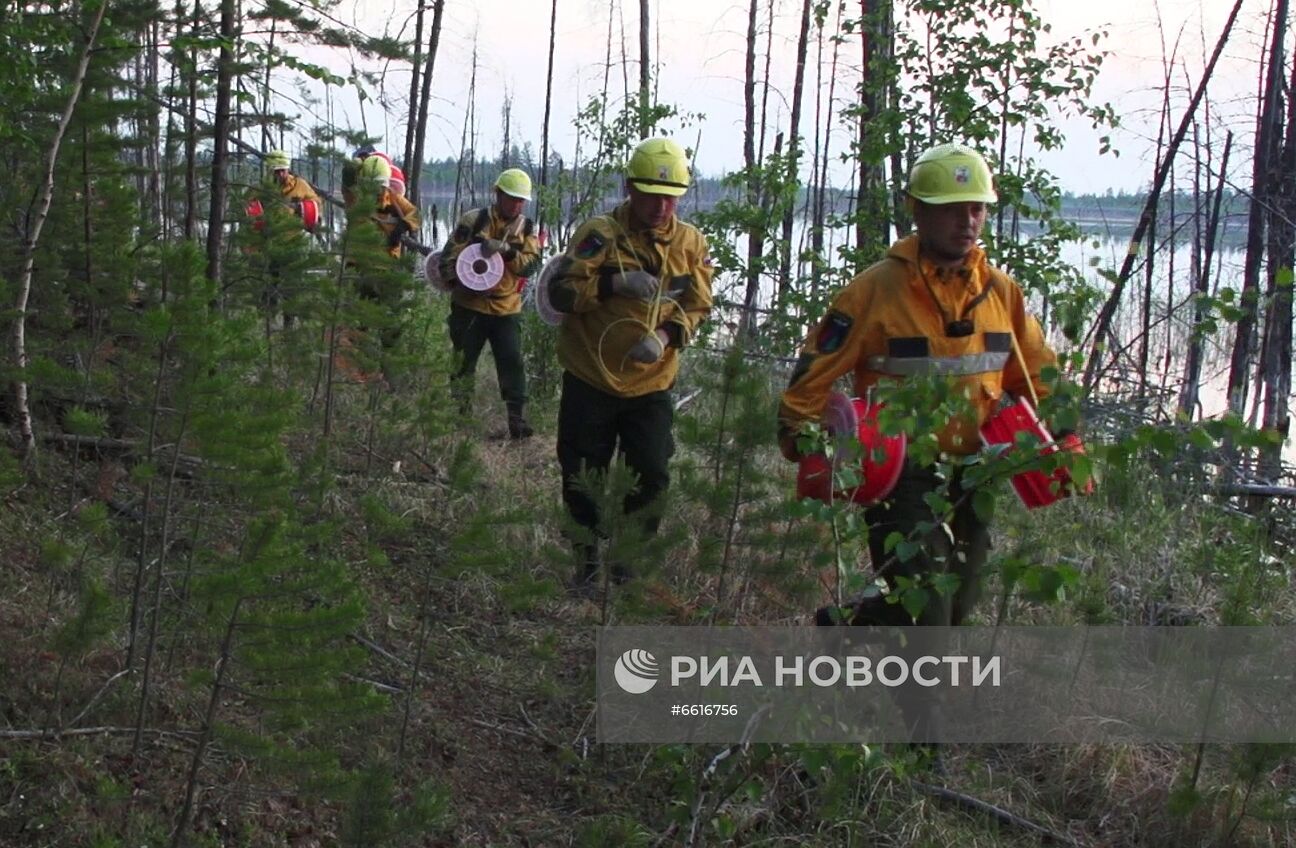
x,y
590,246
833,331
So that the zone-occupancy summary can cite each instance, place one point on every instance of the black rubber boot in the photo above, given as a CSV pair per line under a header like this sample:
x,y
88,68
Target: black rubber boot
x,y
585,582
518,427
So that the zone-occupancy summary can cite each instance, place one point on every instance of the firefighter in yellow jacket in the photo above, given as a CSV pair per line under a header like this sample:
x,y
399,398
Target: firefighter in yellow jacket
x,y
377,219
494,316
283,211
933,306
636,285
292,188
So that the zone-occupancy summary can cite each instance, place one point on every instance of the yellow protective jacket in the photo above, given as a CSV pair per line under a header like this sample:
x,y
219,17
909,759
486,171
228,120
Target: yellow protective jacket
x,y
396,216
287,216
601,327
296,188
888,323
521,259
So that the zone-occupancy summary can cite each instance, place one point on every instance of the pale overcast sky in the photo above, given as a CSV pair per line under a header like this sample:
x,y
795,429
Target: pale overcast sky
x,y
700,46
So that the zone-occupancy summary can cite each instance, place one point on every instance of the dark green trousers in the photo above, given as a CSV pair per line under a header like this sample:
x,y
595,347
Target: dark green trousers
x,y
469,333
593,426
964,555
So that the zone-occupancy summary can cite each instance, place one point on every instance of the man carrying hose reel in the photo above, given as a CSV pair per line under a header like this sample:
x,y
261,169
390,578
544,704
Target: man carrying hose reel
x,y
494,314
635,284
932,306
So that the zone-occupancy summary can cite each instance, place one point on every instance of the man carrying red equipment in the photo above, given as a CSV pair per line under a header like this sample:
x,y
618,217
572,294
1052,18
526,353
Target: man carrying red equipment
x,y
933,306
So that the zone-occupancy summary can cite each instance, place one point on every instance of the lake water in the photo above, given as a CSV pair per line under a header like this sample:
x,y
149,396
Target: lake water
x,y
1170,283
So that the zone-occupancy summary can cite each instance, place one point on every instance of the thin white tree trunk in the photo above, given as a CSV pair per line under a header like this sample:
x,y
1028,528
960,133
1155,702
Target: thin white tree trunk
x,y
29,246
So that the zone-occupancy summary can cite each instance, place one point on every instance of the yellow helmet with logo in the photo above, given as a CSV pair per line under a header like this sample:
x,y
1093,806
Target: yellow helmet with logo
x,y
659,166
951,173
515,183
277,160
374,169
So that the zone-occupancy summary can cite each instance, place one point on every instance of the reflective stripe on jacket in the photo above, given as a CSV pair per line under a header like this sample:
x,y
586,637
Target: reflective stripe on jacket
x,y
601,327
885,324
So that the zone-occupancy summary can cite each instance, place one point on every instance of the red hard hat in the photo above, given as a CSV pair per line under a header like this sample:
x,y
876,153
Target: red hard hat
x,y
881,457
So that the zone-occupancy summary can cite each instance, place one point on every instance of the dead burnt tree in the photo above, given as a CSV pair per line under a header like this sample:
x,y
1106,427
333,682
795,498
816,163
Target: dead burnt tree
x,y
1276,353
1264,162
793,157
414,164
1193,362
1101,330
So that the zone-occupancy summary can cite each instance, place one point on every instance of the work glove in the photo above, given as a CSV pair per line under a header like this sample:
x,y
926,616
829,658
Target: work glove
x,y
649,349
490,247
637,284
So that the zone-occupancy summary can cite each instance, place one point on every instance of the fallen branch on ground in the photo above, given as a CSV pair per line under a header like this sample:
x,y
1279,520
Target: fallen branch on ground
x,y
998,813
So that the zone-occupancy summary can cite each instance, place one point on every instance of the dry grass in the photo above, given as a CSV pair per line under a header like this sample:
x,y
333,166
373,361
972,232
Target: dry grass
x,y
502,712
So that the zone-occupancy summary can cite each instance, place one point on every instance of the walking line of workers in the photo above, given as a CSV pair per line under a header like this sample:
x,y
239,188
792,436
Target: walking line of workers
x,y
633,287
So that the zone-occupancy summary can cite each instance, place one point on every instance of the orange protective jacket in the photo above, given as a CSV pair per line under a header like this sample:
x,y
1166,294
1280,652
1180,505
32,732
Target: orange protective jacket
x,y
395,216
891,321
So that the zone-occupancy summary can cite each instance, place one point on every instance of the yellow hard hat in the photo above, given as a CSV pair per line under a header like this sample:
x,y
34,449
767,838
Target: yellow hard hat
x,y
515,183
277,160
374,169
951,173
659,166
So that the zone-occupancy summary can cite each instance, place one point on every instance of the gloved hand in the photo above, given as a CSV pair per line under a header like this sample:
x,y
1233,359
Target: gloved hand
x,y
649,349
490,247
636,284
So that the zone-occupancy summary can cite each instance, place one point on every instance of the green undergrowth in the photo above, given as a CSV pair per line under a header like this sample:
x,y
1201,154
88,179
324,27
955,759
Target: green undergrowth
x,y
409,668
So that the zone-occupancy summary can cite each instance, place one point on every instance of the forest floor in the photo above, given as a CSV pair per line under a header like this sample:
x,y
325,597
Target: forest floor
x,y
497,727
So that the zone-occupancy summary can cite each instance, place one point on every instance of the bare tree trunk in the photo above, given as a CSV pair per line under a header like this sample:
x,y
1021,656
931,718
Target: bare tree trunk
x,y
817,228
1268,140
32,237
1193,365
542,207
755,236
871,188
794,157
1102,325
1277,353
1149,264
220,143
155,616
178,837
765,89
645,70
153,179
411,121
467,155
414,166
1172,238
506,118
191,131
267,138
1145,331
